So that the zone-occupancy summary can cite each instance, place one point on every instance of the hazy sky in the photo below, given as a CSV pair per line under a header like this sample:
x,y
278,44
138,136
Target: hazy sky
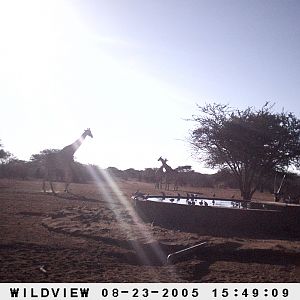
x,y
133,71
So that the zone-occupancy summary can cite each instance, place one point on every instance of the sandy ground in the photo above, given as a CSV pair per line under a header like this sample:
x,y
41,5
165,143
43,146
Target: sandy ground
x,y
94,235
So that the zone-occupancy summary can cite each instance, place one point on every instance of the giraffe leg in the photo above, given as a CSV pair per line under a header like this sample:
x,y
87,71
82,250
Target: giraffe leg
x,y
68,175
67,187
44,176
175,186
44,186
52,188
158,185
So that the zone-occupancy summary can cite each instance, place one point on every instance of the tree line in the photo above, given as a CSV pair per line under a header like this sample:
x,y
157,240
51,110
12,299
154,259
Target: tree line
x,y
251,150
11,167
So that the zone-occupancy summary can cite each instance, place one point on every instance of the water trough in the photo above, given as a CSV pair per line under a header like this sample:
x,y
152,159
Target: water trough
x,y
219,216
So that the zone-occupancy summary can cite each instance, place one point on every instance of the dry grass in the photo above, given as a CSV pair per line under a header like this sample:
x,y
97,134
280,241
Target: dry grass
x,y
92,235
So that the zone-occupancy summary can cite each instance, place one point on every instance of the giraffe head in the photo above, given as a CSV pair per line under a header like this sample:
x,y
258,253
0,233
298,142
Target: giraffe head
x,y
88,132
162,160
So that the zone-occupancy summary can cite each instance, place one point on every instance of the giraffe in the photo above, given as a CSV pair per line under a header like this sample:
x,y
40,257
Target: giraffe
x,y
62,161
159,175
170,174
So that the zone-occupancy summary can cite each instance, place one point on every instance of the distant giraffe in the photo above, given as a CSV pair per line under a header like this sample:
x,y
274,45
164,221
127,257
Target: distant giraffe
x,y
159,175
62,162
170,174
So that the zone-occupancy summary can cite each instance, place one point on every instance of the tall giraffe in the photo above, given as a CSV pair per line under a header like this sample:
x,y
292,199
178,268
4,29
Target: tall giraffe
x,y
171,175
62,161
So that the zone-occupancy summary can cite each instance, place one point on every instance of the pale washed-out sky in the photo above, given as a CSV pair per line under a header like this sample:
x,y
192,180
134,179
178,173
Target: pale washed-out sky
x,y
133,71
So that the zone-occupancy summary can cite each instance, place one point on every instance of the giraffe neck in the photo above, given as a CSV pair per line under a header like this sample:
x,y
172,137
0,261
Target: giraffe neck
x,y
74,146
165,165
168,168
78,142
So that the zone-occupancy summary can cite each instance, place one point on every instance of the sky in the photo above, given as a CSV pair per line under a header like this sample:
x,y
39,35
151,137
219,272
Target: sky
x,y
135,71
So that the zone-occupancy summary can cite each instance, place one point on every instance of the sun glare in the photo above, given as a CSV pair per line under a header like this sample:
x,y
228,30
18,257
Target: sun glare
x,y
39,44
136,239
58,72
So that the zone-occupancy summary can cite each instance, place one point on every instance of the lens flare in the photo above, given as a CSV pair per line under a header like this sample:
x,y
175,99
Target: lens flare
x,y
109,189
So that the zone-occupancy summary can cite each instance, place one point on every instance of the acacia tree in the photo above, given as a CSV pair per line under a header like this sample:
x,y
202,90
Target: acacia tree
x,y
249,142
42,155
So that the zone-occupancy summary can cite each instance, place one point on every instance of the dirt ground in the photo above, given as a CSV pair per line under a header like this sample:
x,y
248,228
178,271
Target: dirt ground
x,y
94,235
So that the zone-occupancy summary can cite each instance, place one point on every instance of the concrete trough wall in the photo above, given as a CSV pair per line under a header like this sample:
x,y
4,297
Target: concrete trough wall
x,y
219,220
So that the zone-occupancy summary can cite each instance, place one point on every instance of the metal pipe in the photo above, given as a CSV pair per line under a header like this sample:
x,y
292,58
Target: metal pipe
x,y
172,257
